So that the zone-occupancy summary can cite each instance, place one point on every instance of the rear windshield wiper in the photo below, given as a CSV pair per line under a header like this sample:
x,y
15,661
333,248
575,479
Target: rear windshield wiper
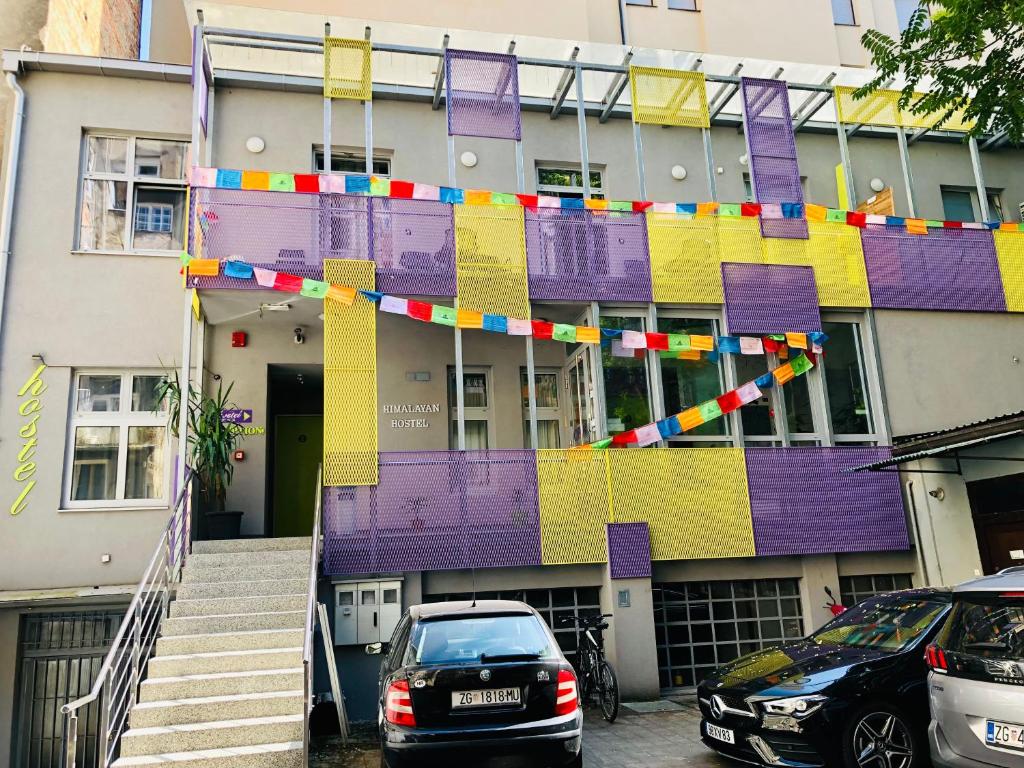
x,y
509,657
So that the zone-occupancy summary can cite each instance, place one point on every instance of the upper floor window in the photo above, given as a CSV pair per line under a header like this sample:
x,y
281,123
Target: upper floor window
x,y
905,11
649,3
961,204
117,440
568,182
132,194
351,163
683,5
842,12
688,382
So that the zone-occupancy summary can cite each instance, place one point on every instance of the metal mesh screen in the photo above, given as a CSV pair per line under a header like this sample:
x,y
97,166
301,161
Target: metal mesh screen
x,y
414,246
629,550
771,149
573,505
881,107
347,69
283,231
482,94
436,510
693,499
829,510
587,255
350,379
490,259
1010,252
947,269
767,298
669,97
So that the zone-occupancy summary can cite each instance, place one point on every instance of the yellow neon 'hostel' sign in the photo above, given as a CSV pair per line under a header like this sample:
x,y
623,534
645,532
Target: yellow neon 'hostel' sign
x,y
30,409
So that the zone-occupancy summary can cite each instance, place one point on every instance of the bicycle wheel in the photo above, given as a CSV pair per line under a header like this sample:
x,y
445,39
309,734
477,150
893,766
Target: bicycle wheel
x,y
586,677
608,691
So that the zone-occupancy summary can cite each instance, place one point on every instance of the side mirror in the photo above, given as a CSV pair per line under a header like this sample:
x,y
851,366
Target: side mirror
x,y
374,649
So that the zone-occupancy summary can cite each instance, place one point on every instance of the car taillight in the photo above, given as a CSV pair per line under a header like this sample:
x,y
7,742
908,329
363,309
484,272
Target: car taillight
x,y
398,705
567,699
936,658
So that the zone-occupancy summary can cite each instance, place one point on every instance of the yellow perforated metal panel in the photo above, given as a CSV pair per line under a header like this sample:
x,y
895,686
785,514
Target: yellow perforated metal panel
x,y
684,261
347,69
694,500
669,97
350,379
834,251
490,259
1010,250
573,486
878,108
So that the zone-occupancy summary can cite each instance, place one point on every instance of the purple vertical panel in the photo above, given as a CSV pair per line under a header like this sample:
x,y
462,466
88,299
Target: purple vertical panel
x,y
804,502
482,94
947,269
769,298
580,255
436,510
771,151
414,247
629,550
285,231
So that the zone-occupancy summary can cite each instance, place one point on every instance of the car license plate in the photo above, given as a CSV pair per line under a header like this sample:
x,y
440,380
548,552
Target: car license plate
x,y
492,697
1008,735
722,734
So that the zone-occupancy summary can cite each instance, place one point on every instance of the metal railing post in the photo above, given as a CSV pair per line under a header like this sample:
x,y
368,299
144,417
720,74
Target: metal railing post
x,y
71,734
136,653
103,737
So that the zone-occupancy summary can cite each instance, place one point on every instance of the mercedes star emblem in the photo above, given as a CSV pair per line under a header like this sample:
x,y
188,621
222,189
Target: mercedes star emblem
x,y
717,707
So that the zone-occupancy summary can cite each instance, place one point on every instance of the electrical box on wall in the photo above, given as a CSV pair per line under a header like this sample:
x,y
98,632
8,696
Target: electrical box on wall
x,y
366,611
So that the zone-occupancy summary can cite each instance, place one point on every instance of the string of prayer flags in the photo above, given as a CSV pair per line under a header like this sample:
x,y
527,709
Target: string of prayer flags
x,y
204,267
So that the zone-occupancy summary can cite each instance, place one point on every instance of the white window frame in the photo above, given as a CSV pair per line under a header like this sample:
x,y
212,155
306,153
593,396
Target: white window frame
x,y
596,193
992,194
131,180
879,432
123,419
319,165
555,414
653,391
485,414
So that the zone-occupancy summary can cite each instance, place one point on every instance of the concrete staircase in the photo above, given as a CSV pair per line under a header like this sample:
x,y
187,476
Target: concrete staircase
x,y
224,686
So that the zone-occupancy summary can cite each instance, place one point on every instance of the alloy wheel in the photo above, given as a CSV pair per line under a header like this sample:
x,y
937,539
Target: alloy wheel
x,y
882,740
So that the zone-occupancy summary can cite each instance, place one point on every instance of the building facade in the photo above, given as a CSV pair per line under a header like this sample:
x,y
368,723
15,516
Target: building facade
x,y
453,452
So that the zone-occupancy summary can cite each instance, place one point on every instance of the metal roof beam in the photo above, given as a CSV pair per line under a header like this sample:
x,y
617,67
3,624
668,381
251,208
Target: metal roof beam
x,y
725,93
568,76
615,89
807,109
996,141
439,77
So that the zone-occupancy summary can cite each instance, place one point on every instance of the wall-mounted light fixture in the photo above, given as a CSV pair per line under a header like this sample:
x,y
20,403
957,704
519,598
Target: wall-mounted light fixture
x,y
678,172
255,144
876,184
468,159
743,159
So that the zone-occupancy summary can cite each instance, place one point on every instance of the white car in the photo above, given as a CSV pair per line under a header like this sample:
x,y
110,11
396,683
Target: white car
x,y
976,683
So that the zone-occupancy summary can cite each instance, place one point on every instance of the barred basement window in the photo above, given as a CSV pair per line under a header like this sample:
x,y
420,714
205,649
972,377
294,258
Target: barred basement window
x,y
853,589
700,625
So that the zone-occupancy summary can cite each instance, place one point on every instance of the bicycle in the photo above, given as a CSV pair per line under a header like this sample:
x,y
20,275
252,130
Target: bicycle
x,y
595,672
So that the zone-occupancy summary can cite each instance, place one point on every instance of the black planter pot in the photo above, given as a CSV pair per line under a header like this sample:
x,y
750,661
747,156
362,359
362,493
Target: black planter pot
x,y
223,525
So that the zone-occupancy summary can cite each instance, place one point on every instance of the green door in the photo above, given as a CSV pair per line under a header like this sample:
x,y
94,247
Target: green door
x,y
298,450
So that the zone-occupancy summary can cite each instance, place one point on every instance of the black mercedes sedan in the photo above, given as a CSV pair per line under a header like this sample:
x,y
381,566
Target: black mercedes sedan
x,y
476,683
852,694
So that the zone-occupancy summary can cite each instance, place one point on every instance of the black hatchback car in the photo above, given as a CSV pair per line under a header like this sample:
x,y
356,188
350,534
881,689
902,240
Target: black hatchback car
x,y
477,683
852,694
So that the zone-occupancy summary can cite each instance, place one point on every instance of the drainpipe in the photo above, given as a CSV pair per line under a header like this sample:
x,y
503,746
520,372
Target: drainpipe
x,y
623,27
13,155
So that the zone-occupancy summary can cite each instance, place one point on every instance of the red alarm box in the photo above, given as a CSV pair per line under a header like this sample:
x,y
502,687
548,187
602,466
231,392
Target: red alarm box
x,y
239,338
239,455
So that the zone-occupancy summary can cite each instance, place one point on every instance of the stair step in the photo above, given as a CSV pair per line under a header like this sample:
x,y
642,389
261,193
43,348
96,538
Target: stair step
x,y
229,641
285,754
251,545
220,684
257,571
196,590
272,556
233,622
218,606
189,737
204,709
224,661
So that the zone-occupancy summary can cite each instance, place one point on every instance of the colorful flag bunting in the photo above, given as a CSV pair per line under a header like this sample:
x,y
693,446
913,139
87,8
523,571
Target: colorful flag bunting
x,y
564,332
542,329
690,418
800,364
443,315
751,345
634,340
394,305
342,294
702,343
495,323
587,335
729,401
469,318
264,277
657,341
730,344
748,393
420,310
709,410
285,282
314,289
798,340
204,267
647,434
238,269
784,373
519,327
679,342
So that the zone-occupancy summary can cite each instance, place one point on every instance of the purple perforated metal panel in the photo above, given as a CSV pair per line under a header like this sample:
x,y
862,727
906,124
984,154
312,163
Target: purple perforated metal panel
x,y
436,510
948,269
284,231
769,298
771,150
587,256
629,550
803,502
414,247
482,93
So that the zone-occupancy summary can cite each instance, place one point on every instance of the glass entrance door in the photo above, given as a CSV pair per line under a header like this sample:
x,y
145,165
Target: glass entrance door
x,y
581,419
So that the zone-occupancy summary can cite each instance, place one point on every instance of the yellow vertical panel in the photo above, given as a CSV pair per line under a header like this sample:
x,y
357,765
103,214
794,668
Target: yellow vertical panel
x,y
739,240
669,97
1010,251
684,261
878,108
834,251
350,379
694,500
490,259
573,488
347,72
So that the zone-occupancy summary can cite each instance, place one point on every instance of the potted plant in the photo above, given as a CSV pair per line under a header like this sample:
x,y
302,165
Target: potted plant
x,y
211,443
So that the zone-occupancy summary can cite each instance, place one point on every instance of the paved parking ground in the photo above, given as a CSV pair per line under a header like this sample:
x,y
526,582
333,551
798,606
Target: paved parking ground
x,y
634,740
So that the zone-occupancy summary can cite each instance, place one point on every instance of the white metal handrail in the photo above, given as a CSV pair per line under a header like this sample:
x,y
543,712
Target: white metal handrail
x,y
116,687
307,643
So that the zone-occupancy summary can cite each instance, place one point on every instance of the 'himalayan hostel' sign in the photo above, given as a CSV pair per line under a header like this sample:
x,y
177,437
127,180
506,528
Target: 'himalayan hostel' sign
x,y
29,410
412,409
